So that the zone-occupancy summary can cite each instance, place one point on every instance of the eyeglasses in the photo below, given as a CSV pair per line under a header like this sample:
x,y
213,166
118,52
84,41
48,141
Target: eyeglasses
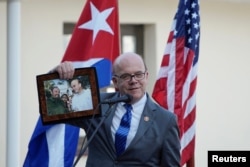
x,y
128,77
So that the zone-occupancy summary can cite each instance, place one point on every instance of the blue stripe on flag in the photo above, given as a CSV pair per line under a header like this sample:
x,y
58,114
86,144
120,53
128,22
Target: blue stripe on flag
x,y
103,70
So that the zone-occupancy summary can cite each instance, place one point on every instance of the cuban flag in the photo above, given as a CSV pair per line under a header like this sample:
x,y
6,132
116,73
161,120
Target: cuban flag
x,y
94,43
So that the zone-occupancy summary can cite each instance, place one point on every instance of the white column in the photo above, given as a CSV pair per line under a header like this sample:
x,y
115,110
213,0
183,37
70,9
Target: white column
x,y
13,83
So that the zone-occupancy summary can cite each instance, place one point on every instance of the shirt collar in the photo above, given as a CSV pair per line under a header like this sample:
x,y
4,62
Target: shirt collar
x,y
142,101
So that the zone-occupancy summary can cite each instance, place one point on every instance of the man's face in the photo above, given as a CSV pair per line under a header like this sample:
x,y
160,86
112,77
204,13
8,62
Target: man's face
x,y
55,93
76,86
136,85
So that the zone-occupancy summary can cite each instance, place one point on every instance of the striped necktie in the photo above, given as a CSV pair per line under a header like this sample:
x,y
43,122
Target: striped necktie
x,y
122,132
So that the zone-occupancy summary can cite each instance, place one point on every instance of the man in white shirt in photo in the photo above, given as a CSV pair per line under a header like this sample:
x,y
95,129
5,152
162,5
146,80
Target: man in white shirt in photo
x,y
82,99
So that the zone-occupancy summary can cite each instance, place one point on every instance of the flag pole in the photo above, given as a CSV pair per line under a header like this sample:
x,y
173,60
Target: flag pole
x,y
13,83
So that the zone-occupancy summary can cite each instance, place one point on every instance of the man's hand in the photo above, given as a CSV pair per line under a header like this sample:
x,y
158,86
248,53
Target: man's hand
x,y
65,70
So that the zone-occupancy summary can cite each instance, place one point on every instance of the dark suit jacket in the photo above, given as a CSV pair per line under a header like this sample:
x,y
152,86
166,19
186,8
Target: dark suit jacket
x,y
156,143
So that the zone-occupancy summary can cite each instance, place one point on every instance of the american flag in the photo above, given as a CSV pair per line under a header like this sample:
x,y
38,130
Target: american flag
x,y
175,88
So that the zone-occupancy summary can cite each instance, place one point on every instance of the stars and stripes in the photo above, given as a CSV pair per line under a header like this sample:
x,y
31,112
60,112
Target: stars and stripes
x,y
175,88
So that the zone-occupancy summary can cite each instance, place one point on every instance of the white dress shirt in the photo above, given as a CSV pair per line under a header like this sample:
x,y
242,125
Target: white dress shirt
x,y
82,101
136,116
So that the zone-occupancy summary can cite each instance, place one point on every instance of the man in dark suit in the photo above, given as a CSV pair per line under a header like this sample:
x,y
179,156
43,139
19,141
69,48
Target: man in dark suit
x,y
55,104
151,136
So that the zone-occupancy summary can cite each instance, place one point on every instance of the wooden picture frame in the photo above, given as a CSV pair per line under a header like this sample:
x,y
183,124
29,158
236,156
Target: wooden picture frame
x,y
82,91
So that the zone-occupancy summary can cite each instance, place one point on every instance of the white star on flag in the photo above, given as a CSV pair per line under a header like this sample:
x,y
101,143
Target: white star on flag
x,y
98,21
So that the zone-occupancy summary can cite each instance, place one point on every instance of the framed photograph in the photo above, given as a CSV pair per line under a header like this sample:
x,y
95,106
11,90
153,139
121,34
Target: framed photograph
x,y
61,100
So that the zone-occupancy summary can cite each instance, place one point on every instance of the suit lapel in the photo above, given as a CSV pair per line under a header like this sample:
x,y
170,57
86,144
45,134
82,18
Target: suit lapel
x,y
108,123
146,121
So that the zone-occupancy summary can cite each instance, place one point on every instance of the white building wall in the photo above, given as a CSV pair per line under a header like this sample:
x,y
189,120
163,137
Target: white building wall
x,y
223,79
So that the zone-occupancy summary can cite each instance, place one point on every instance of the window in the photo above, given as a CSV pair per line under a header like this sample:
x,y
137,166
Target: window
x,y
131,36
